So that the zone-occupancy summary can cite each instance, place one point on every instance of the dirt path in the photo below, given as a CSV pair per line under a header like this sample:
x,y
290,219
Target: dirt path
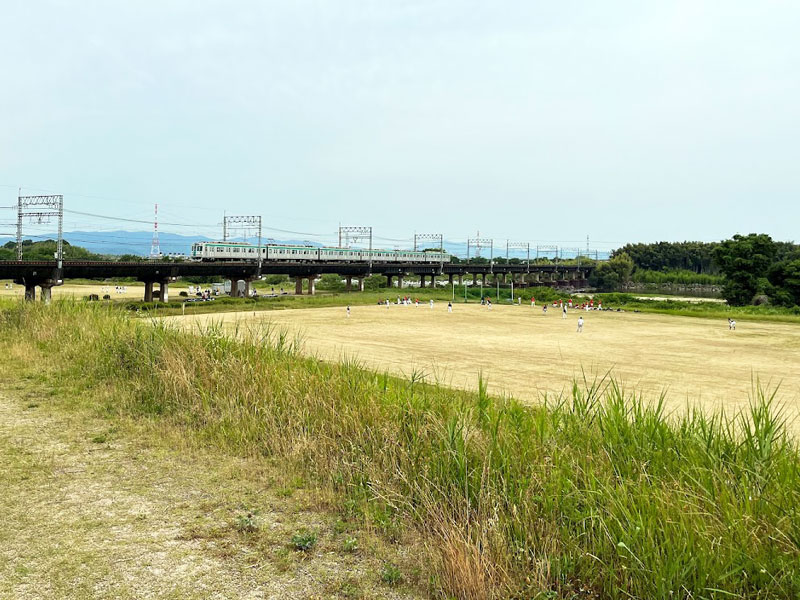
x,y
97,509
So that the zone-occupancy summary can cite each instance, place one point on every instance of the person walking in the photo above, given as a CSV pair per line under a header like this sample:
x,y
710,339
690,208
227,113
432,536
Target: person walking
x,y
449,307
348,311
580,324
563,310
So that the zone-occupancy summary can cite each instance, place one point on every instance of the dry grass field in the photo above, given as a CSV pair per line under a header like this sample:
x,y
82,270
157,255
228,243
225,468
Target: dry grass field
x,y
522,352
117,291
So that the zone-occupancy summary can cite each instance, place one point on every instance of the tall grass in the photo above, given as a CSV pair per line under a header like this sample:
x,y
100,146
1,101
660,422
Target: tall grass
x,y
676,276
596,493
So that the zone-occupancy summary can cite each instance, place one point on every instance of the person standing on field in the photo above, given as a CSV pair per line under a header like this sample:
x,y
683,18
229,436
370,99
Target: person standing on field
x,y
564,311
431,303
580,324
731,324
533,302
348,311
449,307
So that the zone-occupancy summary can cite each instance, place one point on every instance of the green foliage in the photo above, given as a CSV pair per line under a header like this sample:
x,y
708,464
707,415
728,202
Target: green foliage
x,y
613,273
784,276
332,282
374,282
690,256
675,276
276,279
745,261
350,545
391,575
304,540
45,250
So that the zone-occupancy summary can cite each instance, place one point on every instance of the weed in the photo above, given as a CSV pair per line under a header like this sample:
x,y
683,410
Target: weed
x,y
391,575
246,523
304,540
350,545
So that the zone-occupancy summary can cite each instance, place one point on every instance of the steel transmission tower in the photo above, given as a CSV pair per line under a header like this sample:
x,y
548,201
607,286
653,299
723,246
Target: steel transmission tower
x,y
155,248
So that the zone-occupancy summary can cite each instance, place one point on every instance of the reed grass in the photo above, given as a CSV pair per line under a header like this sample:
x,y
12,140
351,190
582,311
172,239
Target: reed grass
x,y
594,493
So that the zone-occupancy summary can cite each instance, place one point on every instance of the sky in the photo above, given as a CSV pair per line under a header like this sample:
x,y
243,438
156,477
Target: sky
x,y
539,122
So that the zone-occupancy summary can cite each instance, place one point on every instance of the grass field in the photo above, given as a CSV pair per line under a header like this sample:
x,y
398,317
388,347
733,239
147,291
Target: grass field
x,y
595,495
522,352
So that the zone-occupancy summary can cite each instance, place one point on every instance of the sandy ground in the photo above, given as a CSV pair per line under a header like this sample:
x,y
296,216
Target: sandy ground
x,y
523,352
117,291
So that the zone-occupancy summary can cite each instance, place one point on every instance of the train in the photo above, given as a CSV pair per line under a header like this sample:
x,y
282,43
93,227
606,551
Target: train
x,y
242,251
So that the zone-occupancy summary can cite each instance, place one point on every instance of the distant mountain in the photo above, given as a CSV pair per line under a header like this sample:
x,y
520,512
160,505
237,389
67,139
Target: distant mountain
x,y
136,242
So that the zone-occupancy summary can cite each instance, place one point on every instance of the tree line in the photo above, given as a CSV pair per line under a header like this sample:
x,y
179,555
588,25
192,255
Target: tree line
x,y
755,269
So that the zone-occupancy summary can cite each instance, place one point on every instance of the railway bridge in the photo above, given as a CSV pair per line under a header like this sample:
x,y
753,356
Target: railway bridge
x,y
47,274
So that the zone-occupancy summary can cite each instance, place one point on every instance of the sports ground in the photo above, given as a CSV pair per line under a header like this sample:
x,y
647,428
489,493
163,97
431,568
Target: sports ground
x,y
524,353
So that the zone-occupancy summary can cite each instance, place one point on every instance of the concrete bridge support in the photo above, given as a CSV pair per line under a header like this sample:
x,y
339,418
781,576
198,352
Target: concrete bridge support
x,y
450,279
400,281
148,291
483,279
388,281
361,284
30,292
47,293
422,281
348,283
298,286
312,285
460,279
474,279
163,289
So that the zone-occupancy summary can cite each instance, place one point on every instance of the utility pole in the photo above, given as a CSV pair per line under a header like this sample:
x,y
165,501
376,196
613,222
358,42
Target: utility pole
x,y
245,223
355,235
479,243
42,208
437,237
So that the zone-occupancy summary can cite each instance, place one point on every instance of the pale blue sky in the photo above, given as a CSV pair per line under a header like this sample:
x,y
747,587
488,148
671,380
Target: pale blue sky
x,y
536,121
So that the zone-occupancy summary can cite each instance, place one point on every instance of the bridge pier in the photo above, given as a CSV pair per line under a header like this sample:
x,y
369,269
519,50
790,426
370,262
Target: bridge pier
x,y
298,286
474,279
30,292
388,281
400,281
483,279
47,293
450,279
460,279
348,286
312,285
148,291
163,290
361,284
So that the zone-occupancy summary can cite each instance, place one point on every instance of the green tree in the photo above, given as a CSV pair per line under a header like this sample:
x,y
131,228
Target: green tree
x,y
745,261
332,282
612,274
785,279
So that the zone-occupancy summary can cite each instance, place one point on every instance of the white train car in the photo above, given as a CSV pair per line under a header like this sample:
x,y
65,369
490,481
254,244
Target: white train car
x,y
241,251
